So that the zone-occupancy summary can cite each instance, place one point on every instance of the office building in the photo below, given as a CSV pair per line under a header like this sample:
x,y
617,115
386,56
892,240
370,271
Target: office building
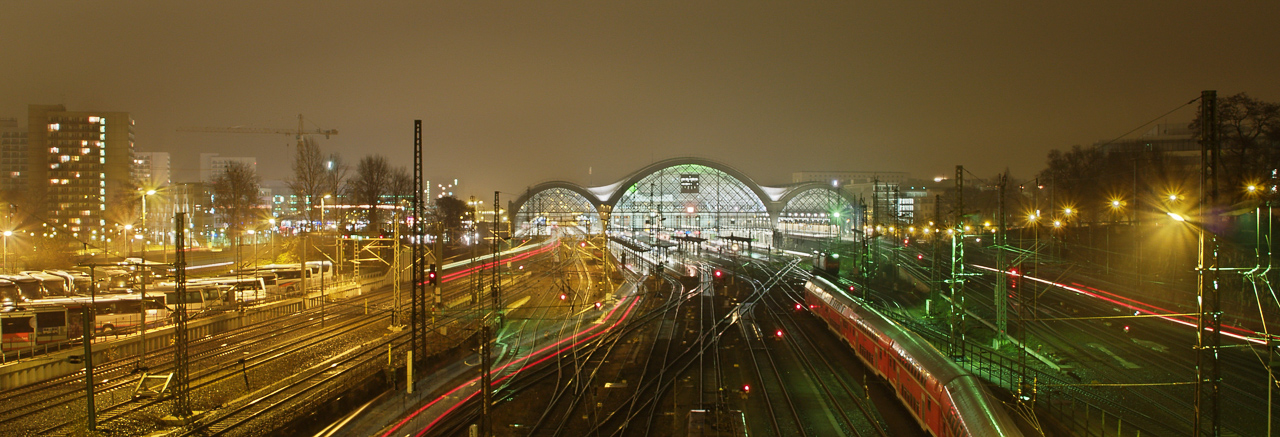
x,y
81,168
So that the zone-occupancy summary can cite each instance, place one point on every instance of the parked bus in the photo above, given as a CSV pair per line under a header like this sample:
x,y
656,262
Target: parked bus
x,y
288,277
241,290
199,297
53,285
28,327
113,313
29,288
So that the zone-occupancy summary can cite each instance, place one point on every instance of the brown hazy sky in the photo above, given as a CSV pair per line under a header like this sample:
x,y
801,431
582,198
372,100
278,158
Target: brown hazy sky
x,y
515,93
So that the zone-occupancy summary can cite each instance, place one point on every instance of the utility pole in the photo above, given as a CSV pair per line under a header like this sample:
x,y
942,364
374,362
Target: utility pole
x,y
956,347
935,275
181,361
487,317
416,315
88,328
1207,365
1001,293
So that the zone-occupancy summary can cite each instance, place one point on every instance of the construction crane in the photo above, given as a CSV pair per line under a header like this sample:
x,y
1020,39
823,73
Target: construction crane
x,y
297,133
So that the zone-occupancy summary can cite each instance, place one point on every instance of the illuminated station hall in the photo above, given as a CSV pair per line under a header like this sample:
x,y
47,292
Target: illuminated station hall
x,y
690,200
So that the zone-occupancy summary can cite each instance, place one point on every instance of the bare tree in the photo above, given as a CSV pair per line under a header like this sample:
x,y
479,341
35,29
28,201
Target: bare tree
x,y
1248,133
377,183
235,197
335,176
309,177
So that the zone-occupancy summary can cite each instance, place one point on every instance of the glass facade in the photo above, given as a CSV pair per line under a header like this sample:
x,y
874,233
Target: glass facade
x,y
556,207
819,212
690,199
687,197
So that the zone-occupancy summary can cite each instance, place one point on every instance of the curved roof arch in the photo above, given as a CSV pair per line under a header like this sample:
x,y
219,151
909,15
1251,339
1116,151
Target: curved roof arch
x,y
514,206
796,189
633,178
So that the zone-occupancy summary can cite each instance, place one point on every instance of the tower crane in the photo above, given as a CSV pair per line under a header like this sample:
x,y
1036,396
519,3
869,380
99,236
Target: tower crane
x,y
297,133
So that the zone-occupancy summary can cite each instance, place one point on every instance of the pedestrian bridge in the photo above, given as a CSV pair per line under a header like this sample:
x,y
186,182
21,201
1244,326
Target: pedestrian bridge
x,y
688,197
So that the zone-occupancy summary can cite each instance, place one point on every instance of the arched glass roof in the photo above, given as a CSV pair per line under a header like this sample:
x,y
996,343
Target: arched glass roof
x,y
818,211
556,207
689,197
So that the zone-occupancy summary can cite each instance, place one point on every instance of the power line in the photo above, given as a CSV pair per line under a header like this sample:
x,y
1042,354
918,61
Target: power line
x,y
1149,122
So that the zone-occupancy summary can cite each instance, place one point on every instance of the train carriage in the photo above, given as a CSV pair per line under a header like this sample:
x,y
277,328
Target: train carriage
x,y
944,398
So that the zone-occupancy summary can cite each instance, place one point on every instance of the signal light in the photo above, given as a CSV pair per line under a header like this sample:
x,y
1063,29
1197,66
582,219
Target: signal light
x,y
718,274
746,388
582,244
563,296
431,276
778,333
920,256
799,307
599,305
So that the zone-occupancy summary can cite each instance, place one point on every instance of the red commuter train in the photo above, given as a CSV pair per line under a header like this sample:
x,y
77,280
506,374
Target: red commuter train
x,y
944,398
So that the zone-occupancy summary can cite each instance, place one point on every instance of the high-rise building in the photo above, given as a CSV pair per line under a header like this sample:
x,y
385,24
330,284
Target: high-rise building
x,y
211,165
151,169
13,156
81,162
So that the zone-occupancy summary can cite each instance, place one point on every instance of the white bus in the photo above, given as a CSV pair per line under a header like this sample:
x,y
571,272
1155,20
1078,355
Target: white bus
x,y
113,313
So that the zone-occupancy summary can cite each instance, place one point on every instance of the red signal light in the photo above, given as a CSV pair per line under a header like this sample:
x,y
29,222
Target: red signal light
x,y
799,307
563,296
778,333
920,256
746,388
718,273
598,305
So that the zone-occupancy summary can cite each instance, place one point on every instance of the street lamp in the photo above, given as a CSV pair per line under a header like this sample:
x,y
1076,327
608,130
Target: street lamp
x,y
144,221
129,240
6,250
272,221
326,196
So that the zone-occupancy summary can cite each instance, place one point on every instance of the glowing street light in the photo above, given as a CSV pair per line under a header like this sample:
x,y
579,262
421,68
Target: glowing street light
x,y
1176,217
7,234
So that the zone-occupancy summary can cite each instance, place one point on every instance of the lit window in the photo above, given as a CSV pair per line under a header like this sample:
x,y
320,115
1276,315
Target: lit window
x,y
74,220
86,212
53,150
102,192
84,142
65,181
93,119
53,181
64,158
104,121
54,127
84,151
54,166
102,129
102,160
102,137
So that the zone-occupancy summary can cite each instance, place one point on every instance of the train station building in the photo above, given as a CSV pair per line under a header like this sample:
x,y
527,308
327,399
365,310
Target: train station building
x,y
687,198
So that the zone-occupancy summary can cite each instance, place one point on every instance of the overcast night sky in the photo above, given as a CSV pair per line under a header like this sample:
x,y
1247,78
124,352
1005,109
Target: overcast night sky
x,y
516,93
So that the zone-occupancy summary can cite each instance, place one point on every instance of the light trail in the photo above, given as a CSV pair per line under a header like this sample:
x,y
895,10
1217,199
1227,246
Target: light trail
x,y
1138,306
576,335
